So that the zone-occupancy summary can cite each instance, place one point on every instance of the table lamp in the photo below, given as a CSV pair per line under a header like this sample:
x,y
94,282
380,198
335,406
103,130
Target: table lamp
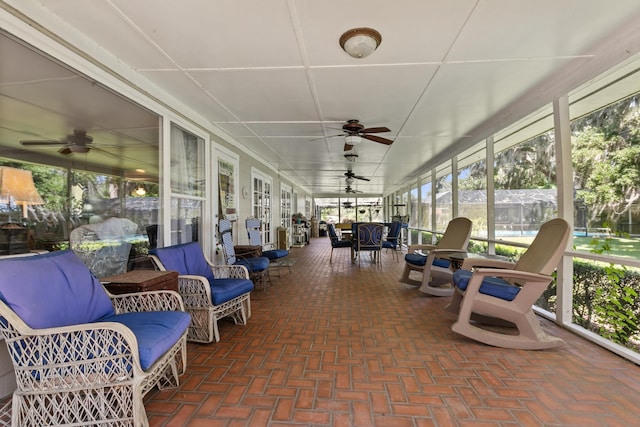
x,y
16,186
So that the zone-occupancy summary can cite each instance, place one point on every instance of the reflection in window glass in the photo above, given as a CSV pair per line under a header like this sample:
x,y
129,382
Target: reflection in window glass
x,y
187,163
186,215
187,186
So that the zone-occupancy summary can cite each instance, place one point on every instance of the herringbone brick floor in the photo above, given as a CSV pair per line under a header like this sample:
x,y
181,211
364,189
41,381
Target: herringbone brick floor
x,y
342,345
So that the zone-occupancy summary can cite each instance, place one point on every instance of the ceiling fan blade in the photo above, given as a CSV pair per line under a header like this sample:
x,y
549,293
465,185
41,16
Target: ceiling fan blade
x,y
42,142
347,147
379,139
362,178
375,130
65,151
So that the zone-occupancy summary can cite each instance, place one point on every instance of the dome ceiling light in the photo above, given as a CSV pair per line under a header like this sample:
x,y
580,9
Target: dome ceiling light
x,y
360,42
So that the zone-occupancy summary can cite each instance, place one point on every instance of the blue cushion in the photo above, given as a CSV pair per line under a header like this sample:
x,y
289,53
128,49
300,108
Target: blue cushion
x,y
492,286
415,259
254,264
275,253
342,243
53,289
223,290
420,260
186,258
389,244
155,331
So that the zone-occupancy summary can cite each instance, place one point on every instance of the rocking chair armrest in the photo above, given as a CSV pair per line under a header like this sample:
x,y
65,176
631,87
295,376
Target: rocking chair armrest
x,y
164,300
533,284
470,263
414,248
230,271
510,274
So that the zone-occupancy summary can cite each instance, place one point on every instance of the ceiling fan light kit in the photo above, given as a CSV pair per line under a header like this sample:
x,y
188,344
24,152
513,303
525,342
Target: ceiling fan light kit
x,y
353,139
360,42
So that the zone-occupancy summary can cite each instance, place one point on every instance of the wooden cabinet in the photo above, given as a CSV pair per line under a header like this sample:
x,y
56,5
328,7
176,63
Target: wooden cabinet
x,y
284,239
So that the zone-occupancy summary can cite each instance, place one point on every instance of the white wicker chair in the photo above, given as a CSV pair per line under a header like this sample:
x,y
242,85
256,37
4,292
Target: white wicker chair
x,y
92,373
210,292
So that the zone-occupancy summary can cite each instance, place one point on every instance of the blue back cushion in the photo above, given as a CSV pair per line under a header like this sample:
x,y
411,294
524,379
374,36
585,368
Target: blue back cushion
x,y
52,290
186,258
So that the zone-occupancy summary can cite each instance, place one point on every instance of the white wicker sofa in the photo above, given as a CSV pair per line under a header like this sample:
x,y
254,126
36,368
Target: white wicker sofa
x,y
82,356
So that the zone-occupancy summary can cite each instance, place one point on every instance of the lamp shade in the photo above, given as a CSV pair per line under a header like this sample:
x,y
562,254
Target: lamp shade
x,y
17,185
360,42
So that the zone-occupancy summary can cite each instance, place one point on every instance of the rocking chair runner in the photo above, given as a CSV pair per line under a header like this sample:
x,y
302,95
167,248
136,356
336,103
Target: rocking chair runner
x,y
498,296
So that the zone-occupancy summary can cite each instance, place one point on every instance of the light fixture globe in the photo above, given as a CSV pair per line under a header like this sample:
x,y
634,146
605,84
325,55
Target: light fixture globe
x,y
360,42
352,139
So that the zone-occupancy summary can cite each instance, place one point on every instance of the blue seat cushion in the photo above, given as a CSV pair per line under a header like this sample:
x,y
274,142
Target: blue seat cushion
x,y
255,264
52,290
155,331
420,260
275,253
186,258
492,286
389,245
342,244
223,290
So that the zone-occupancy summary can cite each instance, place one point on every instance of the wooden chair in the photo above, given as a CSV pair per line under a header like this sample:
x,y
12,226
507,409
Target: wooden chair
x,y
82,356
504,297
435,267
210,292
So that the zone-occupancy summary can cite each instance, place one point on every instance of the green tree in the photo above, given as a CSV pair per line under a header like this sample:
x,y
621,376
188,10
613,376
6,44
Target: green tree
x,y
606,159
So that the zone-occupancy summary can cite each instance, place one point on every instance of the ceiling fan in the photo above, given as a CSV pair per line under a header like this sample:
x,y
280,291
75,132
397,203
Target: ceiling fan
x,y
77,142
349,190
351,176
354,132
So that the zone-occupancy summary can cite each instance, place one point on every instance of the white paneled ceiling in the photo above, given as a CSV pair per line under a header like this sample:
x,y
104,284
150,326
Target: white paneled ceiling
x,y
271,74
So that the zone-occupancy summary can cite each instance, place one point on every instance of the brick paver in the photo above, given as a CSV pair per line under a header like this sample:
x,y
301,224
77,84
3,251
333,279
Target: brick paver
x,y
342,345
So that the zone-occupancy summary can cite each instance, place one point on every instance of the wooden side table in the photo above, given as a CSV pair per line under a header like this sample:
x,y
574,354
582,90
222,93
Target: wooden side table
x,y
140,281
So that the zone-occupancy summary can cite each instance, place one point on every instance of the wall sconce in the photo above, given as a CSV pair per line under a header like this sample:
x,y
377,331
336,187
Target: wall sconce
x,y
16,186
360,42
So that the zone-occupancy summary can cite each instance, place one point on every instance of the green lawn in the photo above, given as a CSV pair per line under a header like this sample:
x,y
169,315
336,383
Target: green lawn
x,y
620,246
